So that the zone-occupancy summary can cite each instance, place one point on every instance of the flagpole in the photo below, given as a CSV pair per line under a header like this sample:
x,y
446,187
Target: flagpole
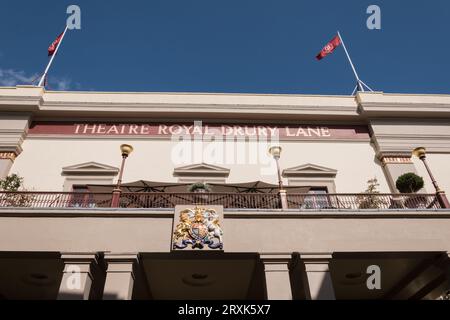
x,y
359,84
41,82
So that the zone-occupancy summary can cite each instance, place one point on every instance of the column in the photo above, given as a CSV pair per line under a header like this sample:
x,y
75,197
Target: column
x,y
119,276
446,268
13,129
77,276
394,165
276,269
283,198
317,281
6,162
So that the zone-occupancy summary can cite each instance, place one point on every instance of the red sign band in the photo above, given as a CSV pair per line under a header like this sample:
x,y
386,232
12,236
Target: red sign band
x,y
170,129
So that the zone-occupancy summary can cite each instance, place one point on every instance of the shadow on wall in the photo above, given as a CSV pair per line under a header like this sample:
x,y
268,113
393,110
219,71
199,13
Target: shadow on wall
x,y
300,283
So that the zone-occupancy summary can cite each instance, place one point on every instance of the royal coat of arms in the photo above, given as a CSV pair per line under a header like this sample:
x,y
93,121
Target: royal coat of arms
x,y
197,228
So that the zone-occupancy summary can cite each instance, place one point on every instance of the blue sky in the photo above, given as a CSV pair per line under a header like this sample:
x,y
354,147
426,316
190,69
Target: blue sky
x,y
255,46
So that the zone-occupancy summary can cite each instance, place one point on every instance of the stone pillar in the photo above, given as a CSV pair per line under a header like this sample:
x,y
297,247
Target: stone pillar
x,y
394,165
446,268
77,277
283,198
119,276
317,281
13,129
276,269
6,162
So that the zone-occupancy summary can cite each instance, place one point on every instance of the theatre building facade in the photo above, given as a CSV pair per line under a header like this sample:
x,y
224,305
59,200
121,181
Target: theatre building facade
x,y
111,195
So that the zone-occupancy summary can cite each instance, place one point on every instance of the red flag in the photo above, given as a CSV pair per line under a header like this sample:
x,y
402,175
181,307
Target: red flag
x,y
54,45
329,48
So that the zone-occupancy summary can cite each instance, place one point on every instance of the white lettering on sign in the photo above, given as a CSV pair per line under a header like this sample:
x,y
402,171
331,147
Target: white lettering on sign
x,y
201,130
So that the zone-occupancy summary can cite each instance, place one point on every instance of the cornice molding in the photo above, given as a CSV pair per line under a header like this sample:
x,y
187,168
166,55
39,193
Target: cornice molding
x,y
318,112
201,169
309,170
21,98
357,108
90,168
131,104
228,213
403,144
379,104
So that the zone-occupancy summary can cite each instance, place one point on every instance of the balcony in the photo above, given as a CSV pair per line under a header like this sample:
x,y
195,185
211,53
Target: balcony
x,y
255,201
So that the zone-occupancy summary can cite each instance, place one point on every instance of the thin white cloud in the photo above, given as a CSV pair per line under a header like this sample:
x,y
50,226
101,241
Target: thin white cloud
x,y
60,84
11,78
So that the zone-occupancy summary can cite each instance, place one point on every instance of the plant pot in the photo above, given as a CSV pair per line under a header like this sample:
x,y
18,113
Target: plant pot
x,y
396,203
200,195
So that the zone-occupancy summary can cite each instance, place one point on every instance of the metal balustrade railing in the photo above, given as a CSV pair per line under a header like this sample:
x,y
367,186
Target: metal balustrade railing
x,y
27,199
362,201
227,200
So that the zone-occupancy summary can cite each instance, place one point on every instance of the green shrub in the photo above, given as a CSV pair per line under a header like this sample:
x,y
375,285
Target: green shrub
x,y
409,183
199,186
11,183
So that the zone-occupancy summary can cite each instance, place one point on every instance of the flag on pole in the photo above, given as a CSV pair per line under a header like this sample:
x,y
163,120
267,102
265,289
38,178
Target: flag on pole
x,y
52,50
54,45
329,48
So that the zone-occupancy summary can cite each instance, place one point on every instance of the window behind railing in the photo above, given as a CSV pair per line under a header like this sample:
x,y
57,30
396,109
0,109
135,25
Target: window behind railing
x,y
316,201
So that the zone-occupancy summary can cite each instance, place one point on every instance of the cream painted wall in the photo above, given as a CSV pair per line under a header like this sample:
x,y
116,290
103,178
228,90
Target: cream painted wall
x,y
355,162
440,167
152,160
151,232
42,170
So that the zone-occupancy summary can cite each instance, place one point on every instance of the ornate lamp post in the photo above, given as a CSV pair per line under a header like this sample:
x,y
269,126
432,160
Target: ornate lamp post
x,y
126,149
420,153
275,151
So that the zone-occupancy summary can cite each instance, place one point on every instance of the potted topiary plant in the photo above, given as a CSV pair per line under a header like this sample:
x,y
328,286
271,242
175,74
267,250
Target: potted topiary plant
x,y
411,183
200,187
